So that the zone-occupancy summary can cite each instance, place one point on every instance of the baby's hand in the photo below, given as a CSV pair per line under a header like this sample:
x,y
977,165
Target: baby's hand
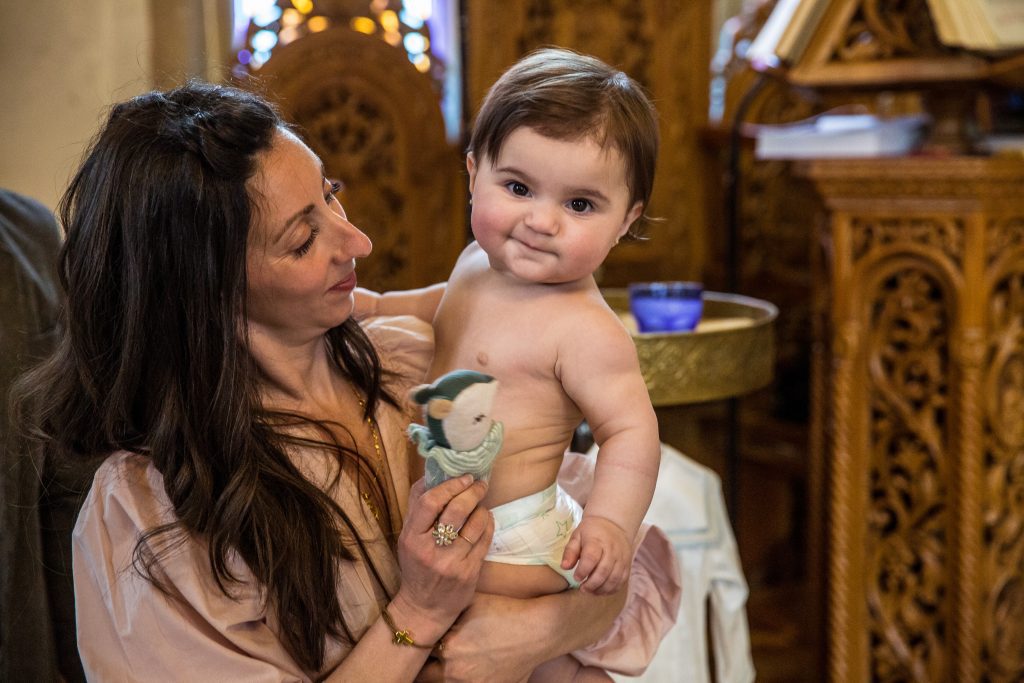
x,y
604,553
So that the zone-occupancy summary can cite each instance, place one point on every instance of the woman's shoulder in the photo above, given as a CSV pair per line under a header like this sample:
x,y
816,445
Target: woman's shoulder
x,y
130,484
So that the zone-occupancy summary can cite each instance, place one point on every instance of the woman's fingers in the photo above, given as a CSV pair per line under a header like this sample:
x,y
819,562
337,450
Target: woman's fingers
x,y
473,528
456,512
425,507
476,534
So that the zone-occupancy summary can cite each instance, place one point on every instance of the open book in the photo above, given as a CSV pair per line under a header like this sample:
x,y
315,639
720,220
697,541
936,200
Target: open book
x,y
987,25
984,25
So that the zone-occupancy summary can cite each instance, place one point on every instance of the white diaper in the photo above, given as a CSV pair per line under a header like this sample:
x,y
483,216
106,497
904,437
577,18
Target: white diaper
x,y
535,529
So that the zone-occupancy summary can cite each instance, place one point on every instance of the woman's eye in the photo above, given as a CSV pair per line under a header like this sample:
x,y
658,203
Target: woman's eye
x,y
335,188
518,189
308,244
580,205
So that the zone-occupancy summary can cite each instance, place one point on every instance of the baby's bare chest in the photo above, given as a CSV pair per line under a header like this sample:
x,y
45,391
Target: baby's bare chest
x,y
505,344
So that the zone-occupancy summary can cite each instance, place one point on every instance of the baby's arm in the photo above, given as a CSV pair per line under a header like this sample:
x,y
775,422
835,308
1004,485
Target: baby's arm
x,y
600,372
421,302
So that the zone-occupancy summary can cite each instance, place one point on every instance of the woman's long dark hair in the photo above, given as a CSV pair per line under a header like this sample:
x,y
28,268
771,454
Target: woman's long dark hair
x,y
152,355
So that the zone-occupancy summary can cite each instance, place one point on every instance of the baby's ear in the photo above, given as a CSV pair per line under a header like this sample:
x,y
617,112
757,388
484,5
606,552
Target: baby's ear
x,y
632,215
439,408
471,169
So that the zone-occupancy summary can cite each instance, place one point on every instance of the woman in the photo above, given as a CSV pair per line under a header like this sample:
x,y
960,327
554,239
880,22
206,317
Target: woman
x,y
253,518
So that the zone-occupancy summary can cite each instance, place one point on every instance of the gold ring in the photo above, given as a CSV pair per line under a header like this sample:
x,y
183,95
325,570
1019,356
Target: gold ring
x,y
444,534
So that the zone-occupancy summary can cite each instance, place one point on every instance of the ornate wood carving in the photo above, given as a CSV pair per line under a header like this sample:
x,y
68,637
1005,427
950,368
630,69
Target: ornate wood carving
x,y
666,47
906,550
376,123
1003,433
883,29
920,417
875,42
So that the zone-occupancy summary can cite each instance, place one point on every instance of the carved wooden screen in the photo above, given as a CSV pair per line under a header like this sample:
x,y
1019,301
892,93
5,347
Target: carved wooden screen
x,y
376,123
663,45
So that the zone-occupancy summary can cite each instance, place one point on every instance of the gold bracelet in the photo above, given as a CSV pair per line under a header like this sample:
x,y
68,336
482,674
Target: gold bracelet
x,y
401,636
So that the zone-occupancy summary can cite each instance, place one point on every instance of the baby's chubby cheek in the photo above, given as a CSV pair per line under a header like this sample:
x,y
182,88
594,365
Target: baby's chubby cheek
x,y
489,222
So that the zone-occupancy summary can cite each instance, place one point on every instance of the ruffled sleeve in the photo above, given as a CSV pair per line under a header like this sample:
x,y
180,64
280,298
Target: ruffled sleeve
x,y
655,589
405,345
128,630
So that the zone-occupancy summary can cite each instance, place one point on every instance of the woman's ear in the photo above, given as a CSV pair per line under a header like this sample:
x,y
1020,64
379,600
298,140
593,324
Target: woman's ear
x,y
471,168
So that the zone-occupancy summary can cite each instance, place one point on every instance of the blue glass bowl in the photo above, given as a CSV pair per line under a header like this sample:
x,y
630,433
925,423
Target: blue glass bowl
x,y
666,306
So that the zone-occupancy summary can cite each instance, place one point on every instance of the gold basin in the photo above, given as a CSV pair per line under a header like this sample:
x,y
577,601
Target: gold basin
x,y
731,352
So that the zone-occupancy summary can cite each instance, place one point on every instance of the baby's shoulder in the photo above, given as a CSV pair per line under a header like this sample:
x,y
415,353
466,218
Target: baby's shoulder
x,y
584,302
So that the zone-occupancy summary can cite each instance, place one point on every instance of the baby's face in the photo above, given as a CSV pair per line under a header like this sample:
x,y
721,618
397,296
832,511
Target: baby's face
x,y
548,211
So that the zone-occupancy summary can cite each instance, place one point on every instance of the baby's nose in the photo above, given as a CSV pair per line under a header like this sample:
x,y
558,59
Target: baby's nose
x,y
543,219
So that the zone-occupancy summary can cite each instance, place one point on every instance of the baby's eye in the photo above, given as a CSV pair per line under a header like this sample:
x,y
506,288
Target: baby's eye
x,y
580,205
517,188
479,418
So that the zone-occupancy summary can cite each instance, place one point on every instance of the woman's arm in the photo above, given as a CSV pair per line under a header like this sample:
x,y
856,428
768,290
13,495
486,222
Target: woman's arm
x,y
437,581
421,303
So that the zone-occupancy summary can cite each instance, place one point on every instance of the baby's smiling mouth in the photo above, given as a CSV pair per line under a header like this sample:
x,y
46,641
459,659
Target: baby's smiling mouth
x,y
531,247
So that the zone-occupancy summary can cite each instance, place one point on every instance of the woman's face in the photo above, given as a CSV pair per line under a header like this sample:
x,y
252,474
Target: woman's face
x,y
302,249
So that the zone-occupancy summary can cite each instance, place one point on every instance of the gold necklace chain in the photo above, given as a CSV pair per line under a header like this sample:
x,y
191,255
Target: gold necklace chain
x,y
376,447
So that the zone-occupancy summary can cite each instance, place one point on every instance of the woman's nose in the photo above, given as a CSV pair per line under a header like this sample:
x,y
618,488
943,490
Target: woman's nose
x,y
352,242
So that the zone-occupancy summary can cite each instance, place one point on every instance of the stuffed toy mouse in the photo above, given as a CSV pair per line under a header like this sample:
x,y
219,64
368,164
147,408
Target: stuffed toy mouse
x,y
460,437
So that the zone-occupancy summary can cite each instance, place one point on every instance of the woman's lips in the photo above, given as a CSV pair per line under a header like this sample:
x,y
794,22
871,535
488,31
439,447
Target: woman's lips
x,y
346,285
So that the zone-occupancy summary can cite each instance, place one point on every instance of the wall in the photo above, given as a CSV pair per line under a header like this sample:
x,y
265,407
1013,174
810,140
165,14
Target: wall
x,y
62,62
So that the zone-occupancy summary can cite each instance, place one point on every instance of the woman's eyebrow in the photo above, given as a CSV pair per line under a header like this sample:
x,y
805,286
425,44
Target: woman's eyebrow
x,y
301,213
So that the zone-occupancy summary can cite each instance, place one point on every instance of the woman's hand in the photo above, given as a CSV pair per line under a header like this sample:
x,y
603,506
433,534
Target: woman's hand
x,y
504,639
491,642
438,581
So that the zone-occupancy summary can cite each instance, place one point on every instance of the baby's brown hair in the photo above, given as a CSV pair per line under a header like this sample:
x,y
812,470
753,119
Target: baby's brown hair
x,y
565,95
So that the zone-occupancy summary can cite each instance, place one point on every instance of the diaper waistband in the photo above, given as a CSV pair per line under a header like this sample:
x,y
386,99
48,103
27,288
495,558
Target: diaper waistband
x,y
515,511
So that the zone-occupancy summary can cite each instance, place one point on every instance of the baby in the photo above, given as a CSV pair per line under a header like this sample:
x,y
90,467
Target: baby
x,y
561,165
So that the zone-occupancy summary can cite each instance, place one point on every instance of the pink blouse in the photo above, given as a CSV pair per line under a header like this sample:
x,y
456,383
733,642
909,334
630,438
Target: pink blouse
x,y
129,630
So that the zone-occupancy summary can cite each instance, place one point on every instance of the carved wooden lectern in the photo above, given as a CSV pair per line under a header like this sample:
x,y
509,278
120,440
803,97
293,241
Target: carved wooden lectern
x,y
917,434
919,389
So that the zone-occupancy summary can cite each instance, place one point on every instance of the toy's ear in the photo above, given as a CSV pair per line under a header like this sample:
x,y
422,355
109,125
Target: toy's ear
x,y
420,393
439,408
